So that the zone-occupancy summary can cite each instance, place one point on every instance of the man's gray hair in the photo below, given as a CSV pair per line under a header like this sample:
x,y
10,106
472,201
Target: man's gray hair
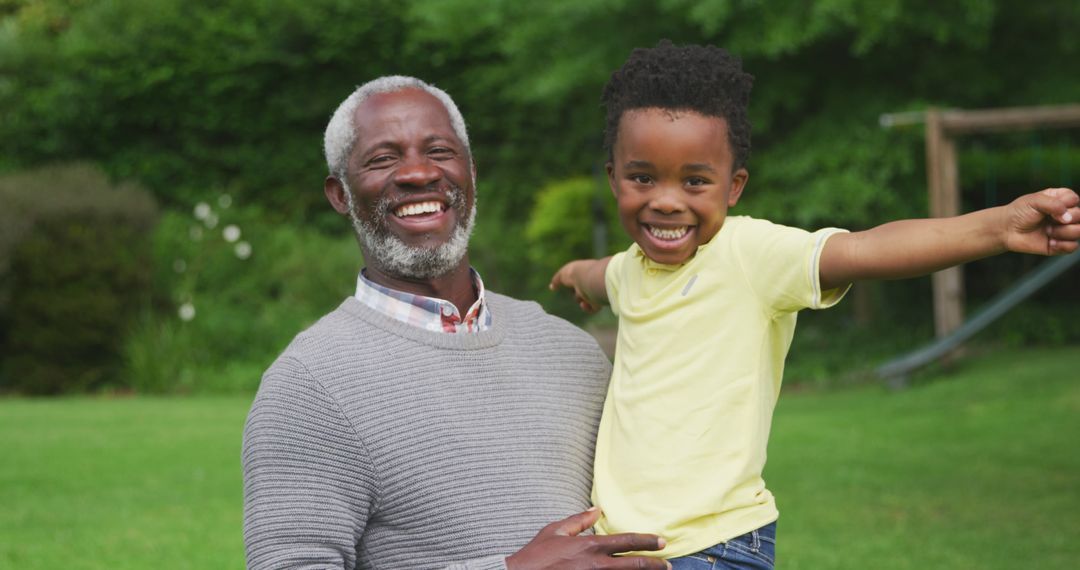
x,y
340,134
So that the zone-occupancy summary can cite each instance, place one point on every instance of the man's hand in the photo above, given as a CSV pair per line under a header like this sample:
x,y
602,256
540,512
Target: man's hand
x,y
586,278
559,546
1045,223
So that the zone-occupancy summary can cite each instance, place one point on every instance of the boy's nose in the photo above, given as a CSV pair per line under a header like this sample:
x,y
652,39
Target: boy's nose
x,y
667,201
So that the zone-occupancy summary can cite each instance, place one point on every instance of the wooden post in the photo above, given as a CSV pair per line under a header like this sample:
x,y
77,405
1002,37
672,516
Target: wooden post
x,y
943,181
944,188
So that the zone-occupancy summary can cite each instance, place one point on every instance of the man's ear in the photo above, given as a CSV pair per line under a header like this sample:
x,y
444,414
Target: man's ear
x,y
738,183
335,194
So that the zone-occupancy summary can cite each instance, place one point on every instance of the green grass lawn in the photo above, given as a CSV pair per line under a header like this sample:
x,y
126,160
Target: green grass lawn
x,y
121,483
977,469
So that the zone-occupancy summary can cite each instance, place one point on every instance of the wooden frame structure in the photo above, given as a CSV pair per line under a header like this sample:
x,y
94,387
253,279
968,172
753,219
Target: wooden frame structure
x,y
943,177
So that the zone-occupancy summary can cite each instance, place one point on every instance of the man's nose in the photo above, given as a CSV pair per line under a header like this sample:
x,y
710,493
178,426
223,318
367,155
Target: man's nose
x,y
418,171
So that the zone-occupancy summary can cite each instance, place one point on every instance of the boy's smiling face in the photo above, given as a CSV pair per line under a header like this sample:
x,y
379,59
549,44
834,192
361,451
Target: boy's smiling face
x,y
672,176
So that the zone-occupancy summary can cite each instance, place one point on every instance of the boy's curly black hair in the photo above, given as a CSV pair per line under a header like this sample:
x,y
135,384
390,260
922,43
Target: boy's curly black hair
x,y
704,79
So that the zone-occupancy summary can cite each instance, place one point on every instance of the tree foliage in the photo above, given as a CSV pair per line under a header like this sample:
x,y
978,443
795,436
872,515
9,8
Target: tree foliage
x,y
186,96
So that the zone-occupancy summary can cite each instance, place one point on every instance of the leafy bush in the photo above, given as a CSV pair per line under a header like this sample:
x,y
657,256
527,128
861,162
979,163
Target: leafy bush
x,y
238,289
572,219
74,268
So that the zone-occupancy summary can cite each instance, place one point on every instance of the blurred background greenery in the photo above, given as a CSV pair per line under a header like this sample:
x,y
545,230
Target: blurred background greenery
x,y
163,231
164,228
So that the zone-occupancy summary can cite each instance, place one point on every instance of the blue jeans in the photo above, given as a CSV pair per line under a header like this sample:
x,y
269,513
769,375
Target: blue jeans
x,y
755,550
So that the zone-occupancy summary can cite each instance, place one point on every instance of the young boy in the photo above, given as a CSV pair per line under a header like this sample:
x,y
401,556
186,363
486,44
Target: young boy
x,y
707,303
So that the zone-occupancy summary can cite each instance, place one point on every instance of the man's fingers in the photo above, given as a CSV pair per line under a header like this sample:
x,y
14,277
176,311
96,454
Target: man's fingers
x,y
626,542
638,562
576,524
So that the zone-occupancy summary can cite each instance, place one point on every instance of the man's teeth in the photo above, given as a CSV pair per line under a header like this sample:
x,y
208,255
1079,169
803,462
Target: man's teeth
x,y
418,208
668,233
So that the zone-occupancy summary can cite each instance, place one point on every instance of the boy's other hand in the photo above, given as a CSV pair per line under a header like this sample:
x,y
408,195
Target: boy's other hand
x,y
572,276
1044,223
559,546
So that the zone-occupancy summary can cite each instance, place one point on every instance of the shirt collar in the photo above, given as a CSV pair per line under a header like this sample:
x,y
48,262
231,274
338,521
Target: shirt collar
x,y
430,313
648,263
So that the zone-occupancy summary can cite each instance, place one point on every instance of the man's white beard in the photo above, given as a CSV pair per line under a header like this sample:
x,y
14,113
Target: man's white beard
x,y
399,259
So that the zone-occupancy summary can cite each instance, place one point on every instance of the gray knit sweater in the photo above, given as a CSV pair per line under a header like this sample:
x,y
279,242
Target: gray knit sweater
x,y
374,444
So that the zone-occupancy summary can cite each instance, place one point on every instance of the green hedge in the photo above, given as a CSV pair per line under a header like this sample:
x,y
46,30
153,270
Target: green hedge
x,y
74,269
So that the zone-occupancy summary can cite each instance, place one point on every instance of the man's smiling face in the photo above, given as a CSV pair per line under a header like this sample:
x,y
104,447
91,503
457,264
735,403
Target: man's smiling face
x,y
410,186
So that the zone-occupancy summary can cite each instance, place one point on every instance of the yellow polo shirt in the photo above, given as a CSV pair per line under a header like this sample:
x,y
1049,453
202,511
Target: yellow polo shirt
x,y
698,364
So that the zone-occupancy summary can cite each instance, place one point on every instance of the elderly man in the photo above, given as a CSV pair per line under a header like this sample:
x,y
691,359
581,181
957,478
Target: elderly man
x,y
425,422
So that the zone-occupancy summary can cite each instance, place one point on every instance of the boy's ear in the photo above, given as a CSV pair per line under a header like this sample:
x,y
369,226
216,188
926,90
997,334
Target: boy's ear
x,y
335,194
610,168
738,182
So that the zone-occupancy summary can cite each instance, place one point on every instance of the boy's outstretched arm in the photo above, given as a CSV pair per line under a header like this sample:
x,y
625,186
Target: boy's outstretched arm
x,y
586,278
1044,223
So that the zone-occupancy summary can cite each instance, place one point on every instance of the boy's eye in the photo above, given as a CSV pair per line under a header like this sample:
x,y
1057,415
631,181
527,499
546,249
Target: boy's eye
x,y
641,178
696,181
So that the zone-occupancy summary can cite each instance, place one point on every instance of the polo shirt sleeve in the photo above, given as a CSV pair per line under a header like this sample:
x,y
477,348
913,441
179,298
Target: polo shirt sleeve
x,y
613,279
782,266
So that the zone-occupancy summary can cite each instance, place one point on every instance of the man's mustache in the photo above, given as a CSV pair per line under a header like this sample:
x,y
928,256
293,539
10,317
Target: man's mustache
x,y
455,198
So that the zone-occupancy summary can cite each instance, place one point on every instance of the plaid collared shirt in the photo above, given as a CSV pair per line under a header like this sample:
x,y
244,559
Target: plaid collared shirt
x,y
429,313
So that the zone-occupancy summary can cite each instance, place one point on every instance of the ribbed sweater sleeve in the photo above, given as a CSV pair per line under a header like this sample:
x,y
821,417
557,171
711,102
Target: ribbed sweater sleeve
x,y
309,484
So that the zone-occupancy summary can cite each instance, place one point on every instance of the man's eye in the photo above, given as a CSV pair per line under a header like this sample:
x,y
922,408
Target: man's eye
x,y
380,160
441,152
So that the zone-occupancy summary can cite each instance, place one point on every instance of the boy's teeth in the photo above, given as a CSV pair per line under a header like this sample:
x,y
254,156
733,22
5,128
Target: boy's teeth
x,y
418,208
668,233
